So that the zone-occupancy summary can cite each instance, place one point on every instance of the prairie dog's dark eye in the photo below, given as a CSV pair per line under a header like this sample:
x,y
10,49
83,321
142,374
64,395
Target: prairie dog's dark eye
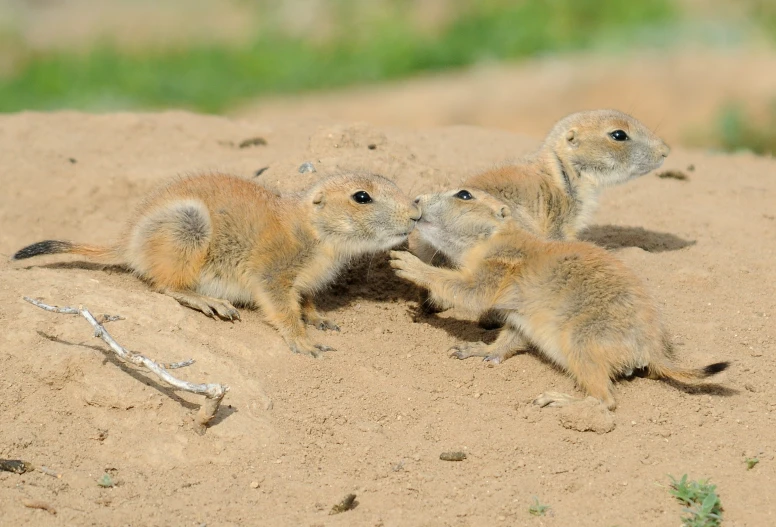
x,y
619,135
362,197
464,195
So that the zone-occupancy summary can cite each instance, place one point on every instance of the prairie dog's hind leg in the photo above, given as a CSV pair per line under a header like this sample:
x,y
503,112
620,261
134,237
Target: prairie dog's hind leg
x,y
592,377
508,344
169,243
491,319
168,246
208,305
556,399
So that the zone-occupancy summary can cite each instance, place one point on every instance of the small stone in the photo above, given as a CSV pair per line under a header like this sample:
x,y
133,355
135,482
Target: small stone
x,y
306,167
253,141
452,456
673,174
750,387
16,466
254,484
348,503
502,518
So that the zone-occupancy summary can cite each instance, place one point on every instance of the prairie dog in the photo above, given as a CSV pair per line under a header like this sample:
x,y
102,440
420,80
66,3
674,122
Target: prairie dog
x,y
554,191
213,240
573,301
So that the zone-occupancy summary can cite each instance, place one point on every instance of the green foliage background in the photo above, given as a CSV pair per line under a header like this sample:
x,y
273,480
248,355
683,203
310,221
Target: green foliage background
x,y
214,77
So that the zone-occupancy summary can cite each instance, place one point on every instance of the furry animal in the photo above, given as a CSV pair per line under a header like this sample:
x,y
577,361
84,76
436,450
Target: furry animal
x,y
554,191
578,305
212,241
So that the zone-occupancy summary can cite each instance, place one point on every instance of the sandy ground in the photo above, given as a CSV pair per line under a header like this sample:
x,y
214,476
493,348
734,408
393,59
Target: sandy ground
x,y
296,434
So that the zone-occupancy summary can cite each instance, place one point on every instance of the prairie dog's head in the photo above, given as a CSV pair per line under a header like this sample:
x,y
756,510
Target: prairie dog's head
x,y
457,220
361,213
607,146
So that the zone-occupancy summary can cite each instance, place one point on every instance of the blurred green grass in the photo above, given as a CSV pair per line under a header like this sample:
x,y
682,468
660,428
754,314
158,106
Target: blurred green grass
x,y
738,130
764,11
213,78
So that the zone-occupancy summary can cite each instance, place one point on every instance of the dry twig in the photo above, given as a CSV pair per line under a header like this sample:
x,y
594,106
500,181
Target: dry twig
x,y
38,504
49,472
214,393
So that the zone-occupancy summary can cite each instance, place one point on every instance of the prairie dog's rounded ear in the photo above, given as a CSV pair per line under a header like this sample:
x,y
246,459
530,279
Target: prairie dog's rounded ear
x,y
572,138
504,212
319,198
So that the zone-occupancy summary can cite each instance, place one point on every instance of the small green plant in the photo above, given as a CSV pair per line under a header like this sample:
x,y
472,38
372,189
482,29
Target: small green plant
x,y
538,509
751,462
702,505
105,481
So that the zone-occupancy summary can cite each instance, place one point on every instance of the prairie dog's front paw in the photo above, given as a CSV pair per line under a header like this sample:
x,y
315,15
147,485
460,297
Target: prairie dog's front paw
x,y
403,258
408,266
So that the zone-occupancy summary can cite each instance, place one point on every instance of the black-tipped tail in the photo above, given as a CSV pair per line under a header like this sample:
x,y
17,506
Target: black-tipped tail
x,y
717,367
669,371
44,247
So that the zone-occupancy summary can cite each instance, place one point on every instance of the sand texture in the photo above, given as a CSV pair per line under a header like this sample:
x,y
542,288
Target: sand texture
x,y
295,434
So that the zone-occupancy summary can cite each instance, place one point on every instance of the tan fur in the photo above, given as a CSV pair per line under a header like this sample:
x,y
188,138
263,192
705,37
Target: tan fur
x,y
554,192
576,303
210,241
97,253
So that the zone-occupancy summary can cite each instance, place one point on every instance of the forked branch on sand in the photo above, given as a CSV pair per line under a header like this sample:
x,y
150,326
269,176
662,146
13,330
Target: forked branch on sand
x,y
214,393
